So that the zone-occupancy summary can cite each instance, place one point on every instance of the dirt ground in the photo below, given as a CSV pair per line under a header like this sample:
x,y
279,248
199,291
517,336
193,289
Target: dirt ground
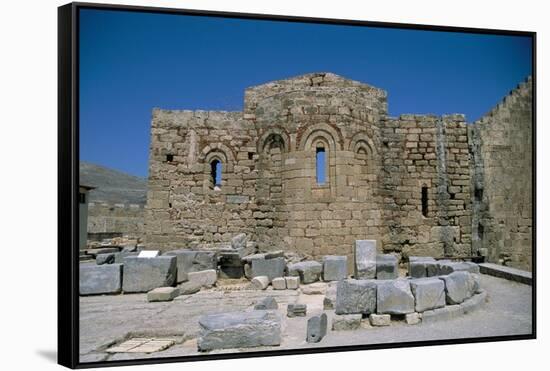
x,y
108,319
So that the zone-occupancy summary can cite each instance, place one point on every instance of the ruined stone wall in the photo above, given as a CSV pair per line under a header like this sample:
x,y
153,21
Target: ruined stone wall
x,y
184,208
501,144
406,182
430,152
127,219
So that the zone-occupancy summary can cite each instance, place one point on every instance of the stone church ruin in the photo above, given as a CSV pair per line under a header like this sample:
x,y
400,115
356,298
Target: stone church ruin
x,y
314,163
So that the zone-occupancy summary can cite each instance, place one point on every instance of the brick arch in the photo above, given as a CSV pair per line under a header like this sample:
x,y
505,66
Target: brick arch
x,y
270,133
332,135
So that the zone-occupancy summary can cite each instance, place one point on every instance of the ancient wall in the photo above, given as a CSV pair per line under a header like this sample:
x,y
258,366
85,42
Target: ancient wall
x,y
405,182
427,185
125,219
501,144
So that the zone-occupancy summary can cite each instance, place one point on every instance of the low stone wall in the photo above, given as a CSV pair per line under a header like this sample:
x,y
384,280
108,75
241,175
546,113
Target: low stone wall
x,y
120,219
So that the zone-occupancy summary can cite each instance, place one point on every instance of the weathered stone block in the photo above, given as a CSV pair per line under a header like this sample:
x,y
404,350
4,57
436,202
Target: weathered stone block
x,y
429,293
413,318
278,283
346,322
266,303
355,296
231,265
317,288
364,252
387,267
260,282
394,297
335,268
145,274
163,294
316,328
379,319
108,258
308,271
205,278
296,310
418,266
329,302
442,314
100,279
292,283
193,261
474,303
239,330
272,268
239,241
458,287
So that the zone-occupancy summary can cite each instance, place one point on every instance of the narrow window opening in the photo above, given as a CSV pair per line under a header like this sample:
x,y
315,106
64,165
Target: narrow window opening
x,y
478,194
480,231
82,198
216,172
170,205
250,155
320,165
424,201
169,158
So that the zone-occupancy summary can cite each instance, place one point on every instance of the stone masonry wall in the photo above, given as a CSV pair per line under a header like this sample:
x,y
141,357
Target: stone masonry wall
x,y
405,182
501,144
116,218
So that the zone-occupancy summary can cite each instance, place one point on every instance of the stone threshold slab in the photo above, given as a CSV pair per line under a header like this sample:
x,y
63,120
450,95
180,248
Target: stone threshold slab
x,y
509,273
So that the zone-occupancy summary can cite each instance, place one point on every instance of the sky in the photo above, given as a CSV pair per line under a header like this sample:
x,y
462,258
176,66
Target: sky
x,y
132,62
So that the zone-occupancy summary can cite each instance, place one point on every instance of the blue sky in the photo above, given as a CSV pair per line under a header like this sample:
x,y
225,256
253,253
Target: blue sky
x,y
131,62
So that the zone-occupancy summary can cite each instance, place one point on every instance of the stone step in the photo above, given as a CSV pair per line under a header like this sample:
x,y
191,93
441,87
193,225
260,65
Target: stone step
x,y
509,273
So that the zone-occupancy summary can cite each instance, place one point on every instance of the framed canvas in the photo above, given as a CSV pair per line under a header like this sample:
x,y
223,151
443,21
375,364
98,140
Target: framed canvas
x,y
242,185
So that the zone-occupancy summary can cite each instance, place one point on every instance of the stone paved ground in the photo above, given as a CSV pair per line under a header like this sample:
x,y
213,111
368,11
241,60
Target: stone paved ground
x,y
104,319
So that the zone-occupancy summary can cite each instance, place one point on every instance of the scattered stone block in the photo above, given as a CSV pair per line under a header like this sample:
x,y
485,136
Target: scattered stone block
x,y
329,302
364,252
189,287
474,303
278,283
308,271
260,282
231,265
418,266
274,254
379,319
429,293
292,283
296,310
266,303
442,314
119,256
205,278
239,330
239,241
102,250
448,267
148,253
413,318
100,279
317,288
316,328
387,267
193,261
356,296
346,322
335,268
394,297
459,286
162,294
272,268
108,258
145,274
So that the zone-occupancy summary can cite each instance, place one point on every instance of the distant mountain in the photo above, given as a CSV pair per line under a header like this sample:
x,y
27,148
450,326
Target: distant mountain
x,y
113,186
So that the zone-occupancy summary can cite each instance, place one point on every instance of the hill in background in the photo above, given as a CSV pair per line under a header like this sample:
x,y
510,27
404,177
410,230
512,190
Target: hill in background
x,y
113,186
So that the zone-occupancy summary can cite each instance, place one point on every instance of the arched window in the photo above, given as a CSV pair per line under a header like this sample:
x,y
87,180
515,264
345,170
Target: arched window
x,y
321,165
216,172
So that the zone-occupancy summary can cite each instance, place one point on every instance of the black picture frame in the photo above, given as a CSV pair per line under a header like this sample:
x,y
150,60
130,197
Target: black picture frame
x,y
68,182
